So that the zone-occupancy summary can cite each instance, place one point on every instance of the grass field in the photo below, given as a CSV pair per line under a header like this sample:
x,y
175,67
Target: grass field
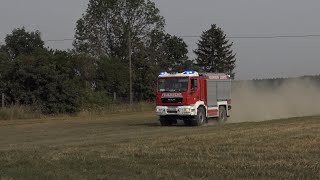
x,y
133,146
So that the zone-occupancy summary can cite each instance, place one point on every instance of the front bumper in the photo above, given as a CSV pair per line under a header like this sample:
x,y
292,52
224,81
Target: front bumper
x,y
176,110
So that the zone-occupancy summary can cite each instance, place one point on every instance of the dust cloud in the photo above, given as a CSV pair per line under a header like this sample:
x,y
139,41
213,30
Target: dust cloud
x,y
291,98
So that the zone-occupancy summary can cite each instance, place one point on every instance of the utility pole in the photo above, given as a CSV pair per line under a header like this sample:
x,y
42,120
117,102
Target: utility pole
x,y
130,67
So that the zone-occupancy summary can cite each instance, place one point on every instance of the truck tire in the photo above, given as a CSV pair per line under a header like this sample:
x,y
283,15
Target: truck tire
x,y
201,118
164,121
222,115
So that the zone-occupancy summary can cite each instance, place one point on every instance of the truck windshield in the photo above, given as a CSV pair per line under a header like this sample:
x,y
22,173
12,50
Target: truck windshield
x,y
173,84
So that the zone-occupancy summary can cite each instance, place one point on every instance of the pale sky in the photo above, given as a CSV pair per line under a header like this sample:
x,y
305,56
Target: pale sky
x,y
257,58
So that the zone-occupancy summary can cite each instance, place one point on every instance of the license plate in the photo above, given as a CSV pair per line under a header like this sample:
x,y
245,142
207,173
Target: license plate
x,y
172,109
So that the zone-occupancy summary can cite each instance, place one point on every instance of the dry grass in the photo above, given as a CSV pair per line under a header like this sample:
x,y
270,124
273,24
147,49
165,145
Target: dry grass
x,y
27,112
133,146
121,108
19,112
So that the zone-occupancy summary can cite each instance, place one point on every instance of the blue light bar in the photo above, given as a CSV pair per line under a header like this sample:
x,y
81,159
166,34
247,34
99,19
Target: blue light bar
x,y
163,73
189,72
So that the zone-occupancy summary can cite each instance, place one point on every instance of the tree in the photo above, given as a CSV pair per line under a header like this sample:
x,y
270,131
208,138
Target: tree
x,y
105,30
105,27
5,65
22,42
109,77
33,75
214,52
42,80
163,52
175,52
85,68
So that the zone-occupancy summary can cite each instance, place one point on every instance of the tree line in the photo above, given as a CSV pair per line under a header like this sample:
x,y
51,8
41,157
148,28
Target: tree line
x,y
87,76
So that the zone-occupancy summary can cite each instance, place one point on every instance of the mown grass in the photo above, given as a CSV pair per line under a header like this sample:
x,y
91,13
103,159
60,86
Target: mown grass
x,y
133,146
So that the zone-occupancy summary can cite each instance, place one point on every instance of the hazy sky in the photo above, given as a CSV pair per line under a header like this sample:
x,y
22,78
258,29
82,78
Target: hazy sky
x,y
257,58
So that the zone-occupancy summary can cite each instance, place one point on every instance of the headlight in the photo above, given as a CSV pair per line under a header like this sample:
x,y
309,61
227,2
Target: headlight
x,y
187,110
160,110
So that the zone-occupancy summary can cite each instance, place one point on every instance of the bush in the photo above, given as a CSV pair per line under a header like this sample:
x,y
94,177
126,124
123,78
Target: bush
x,y
45,79
94,101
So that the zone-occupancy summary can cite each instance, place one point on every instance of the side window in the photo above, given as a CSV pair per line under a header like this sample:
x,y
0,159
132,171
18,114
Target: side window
x,y
194,84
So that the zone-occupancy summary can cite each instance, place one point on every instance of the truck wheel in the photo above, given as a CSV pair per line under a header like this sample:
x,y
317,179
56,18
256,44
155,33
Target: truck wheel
x,y
200,118
222,115
165,121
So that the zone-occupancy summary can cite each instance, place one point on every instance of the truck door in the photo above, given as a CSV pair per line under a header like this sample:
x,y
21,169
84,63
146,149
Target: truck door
x,y
194,91
203,90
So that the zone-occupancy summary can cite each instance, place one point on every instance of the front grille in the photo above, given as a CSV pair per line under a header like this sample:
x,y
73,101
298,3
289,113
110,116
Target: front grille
x,y
171,100
172,112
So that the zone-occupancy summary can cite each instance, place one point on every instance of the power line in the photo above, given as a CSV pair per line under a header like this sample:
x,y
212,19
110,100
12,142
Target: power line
x,y
231,37
58,40
49,40
263,37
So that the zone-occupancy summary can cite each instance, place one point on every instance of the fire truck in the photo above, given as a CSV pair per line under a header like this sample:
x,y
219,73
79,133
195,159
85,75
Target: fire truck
x,y
193,98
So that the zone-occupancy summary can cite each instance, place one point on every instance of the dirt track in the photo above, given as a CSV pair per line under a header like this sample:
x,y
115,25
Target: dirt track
x,y
293,98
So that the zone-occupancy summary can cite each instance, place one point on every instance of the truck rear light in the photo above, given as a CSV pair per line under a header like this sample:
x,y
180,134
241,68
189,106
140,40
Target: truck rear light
x,y
229,101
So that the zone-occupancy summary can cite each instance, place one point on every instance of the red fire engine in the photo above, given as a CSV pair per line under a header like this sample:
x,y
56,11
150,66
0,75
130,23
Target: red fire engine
x,y
193,97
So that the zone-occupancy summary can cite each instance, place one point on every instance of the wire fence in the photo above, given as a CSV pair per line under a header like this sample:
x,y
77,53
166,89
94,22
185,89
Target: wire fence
x,y
121,103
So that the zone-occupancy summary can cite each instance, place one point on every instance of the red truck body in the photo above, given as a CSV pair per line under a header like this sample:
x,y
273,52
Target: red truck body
x,y
181,96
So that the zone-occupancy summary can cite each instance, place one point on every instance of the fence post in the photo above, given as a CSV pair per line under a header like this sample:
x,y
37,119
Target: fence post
x,y
114,96
2,100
